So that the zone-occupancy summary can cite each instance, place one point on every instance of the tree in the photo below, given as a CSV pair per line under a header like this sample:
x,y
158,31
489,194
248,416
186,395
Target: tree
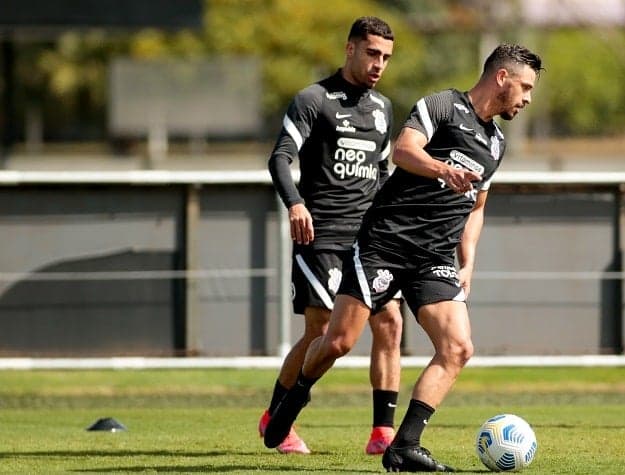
x,y
581,92
301,41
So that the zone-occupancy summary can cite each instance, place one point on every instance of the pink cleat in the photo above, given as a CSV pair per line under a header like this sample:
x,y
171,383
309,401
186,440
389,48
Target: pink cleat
x,y
293,444
380,438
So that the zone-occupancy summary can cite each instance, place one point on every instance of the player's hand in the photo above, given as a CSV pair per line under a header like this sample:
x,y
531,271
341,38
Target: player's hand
x,y
460,180
302,231
464,277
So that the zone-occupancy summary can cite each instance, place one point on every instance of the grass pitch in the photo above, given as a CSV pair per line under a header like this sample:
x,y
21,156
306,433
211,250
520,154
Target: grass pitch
x,y
204,421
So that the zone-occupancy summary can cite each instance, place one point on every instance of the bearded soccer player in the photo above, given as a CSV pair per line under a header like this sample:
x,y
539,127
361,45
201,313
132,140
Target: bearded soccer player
x,y
340,129
428,214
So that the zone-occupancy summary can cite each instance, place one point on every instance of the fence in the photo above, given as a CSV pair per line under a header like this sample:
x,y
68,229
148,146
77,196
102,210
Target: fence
x,y
158,263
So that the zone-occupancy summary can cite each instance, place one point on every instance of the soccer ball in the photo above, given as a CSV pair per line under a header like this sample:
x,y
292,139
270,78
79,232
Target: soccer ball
x,y
506,442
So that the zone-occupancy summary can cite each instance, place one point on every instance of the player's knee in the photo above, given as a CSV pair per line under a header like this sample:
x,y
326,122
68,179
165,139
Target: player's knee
x,y
463,352
458,353
395,325
386,326
338,347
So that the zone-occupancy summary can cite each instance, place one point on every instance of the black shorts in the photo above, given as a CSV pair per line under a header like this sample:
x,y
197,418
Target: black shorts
x,y
315,277
374,277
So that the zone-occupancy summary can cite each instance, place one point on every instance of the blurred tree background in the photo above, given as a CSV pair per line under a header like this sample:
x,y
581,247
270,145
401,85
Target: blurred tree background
x,y
62,80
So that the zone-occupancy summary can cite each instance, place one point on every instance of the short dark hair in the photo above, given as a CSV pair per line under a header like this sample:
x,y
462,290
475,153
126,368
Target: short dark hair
x,y
370,25
507,55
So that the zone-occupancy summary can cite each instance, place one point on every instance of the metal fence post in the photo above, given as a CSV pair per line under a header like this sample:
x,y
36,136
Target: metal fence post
x,y
284,279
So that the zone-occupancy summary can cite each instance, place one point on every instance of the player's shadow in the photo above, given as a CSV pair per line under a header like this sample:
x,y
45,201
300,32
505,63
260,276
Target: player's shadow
x,y
289,465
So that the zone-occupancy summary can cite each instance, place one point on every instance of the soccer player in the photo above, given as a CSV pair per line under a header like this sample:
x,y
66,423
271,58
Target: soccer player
x,y
428,213
340,129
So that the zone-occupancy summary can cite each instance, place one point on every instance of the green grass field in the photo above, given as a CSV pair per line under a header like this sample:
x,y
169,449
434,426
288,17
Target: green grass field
x,y
204,421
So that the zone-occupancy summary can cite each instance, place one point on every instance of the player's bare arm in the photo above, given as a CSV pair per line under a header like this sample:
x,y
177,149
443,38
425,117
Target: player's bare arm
x,y
468,243
409,155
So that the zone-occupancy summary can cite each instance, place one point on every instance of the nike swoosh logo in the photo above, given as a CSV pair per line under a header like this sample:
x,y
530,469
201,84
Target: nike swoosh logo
x,y
390,404
465,128
342,116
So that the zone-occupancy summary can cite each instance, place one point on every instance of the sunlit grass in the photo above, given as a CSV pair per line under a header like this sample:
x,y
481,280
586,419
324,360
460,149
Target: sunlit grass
x,y
203,421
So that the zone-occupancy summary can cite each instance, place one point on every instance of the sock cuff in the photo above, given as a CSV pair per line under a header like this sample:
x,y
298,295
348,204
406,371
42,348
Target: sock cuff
x,y
386,393
305,381
427,407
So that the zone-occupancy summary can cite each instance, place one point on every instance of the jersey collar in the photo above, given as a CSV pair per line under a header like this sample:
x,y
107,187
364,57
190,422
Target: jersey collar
x,y
348,87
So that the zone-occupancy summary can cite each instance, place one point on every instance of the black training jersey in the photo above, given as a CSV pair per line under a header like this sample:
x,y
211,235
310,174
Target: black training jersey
x,y
341,134
415,215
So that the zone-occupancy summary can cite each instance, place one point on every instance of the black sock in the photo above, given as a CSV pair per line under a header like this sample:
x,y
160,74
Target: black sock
x,y
384,404
278,393
411,428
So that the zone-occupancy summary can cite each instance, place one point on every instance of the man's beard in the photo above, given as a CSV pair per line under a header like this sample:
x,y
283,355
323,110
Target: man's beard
x,y
507,115
504,99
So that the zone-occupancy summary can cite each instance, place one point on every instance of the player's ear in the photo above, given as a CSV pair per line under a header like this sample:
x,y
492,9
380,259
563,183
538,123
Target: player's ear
x,y
350,47
501,75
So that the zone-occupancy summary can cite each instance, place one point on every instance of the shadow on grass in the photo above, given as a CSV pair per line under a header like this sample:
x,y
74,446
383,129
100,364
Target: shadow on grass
x,y
289,463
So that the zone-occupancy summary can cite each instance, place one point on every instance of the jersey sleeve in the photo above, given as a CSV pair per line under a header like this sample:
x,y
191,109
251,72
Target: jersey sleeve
x,y
386,147
296,127
429,112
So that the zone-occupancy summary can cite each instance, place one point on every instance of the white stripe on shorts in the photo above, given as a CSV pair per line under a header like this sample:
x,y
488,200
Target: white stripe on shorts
x,y
362,278
460,297
312,279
